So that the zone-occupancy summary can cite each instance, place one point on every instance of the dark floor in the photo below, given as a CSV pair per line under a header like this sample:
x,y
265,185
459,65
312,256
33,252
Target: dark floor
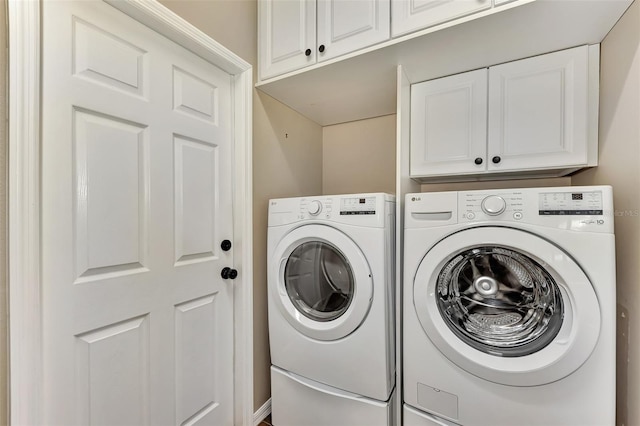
x,y
266,422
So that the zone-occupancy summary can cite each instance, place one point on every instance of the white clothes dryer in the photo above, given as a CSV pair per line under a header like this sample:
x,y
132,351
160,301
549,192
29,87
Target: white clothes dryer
x,y
331,300
509,307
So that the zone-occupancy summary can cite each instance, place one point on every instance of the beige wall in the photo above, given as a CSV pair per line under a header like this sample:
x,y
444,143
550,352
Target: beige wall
x,y
232,23
496,184
359,156
287,153
619,166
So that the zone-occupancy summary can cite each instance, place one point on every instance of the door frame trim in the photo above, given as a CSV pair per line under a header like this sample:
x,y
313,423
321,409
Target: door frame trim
x,y
25,308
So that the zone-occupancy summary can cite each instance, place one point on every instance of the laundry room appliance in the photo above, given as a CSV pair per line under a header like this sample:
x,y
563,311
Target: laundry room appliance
x,y
509,307
331,309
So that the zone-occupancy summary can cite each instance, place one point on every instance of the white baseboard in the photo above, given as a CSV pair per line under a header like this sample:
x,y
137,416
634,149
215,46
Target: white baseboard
x,y
262,412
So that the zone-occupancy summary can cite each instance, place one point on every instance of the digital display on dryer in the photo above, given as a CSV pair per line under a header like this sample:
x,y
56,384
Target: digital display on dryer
x,y
358,206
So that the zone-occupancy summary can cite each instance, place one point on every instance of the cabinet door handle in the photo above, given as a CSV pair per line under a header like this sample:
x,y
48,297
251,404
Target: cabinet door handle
x,y
496,159
478,161
321,48
307,52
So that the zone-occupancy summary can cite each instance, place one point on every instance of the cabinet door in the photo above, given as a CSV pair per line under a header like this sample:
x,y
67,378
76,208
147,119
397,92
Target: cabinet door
x,y
538,112
287,32
449,125
348,25
413,15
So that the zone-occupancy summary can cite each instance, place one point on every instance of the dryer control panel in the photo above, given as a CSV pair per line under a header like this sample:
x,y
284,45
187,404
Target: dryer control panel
x,y
357,205
356,209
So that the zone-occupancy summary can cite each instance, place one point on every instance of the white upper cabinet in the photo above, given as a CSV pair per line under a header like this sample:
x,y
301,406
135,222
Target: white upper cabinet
x,y
538,112
348,25
361,84
288,30
287,36
449,125
536,116
412,15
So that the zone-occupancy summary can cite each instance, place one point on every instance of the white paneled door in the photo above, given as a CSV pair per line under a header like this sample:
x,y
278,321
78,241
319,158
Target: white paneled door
x,y
136,200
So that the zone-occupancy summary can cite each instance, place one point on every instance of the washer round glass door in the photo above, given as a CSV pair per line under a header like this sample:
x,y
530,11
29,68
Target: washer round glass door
x,y
507,306
323,282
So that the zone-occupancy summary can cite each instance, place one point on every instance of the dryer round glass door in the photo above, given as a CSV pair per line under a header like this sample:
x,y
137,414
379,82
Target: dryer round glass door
x,y
320,282
507,306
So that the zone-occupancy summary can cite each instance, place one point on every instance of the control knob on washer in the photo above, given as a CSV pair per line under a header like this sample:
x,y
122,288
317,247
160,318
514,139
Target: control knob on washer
x,y
493,205
314,208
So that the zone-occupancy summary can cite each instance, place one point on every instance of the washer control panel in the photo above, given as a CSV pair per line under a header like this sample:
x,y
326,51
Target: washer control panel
x,y
484,205
580,208
575,208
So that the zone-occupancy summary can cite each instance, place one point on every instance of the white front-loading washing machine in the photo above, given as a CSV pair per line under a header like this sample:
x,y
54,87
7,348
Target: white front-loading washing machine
x,y
509,307
331,309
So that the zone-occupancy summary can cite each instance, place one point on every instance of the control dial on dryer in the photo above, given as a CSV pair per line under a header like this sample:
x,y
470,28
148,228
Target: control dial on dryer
x,y
493,205
314,208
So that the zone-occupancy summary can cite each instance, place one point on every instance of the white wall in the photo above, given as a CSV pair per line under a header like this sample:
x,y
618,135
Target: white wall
x,y
4,349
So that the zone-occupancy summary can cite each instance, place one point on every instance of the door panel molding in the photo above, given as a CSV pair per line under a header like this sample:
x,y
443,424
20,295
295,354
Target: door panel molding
x,y
25,332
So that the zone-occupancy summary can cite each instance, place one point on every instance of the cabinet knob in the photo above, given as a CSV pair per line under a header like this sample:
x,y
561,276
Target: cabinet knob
x,y
307,52
321,48
478,161
496,159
